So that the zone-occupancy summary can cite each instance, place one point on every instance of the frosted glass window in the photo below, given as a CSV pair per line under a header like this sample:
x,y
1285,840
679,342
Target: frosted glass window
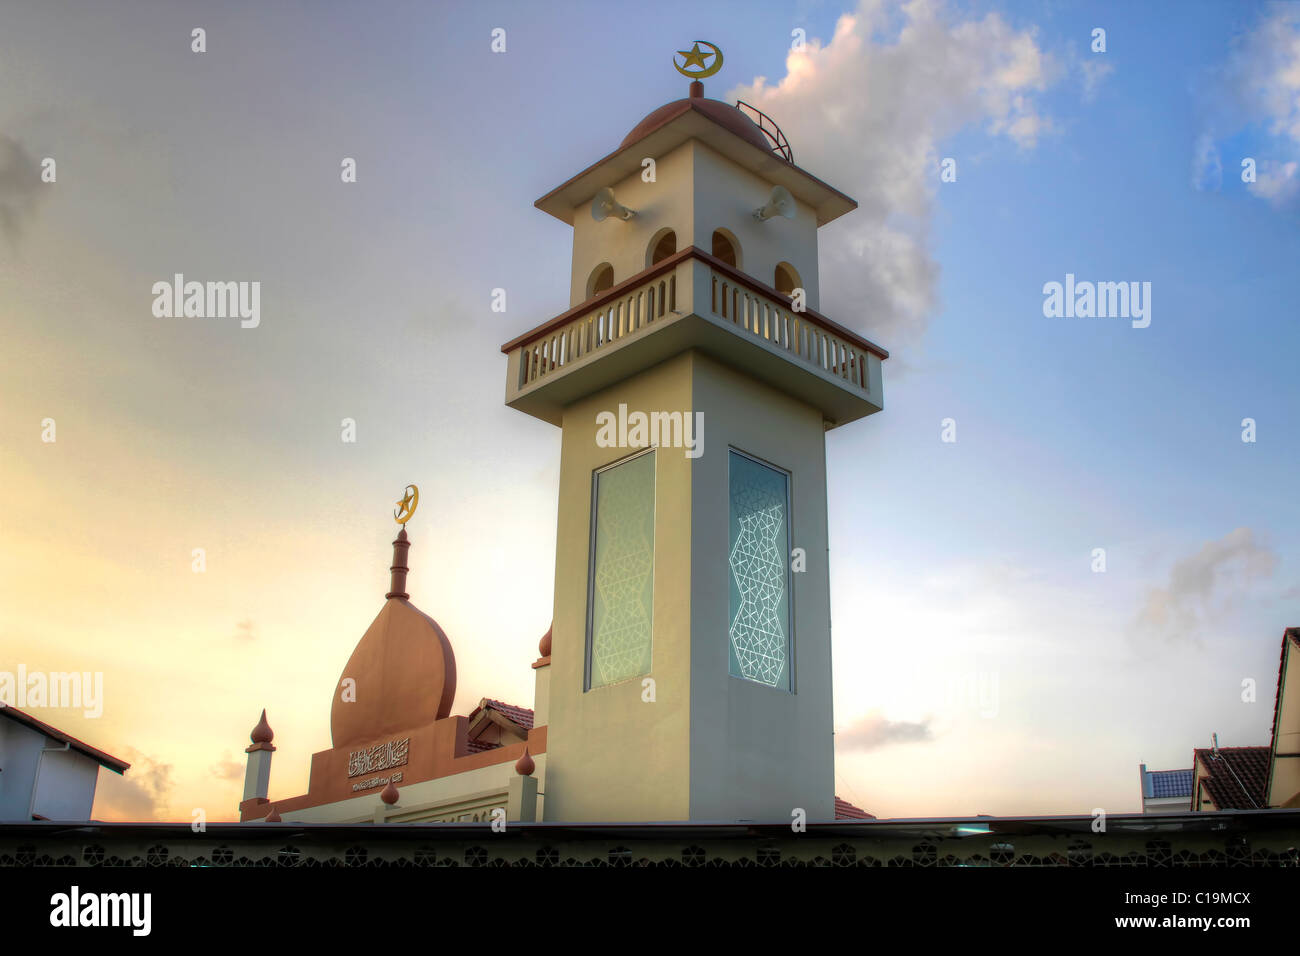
x,y
621,586
759,557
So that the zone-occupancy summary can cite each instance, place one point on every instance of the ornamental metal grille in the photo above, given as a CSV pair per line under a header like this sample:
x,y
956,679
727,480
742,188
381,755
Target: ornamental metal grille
x,y
760,572
622,571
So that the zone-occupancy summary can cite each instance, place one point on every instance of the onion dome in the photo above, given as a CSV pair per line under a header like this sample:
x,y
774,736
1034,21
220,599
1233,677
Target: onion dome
x,y
261,736
545,644
389,795
262,733
403,668
525,765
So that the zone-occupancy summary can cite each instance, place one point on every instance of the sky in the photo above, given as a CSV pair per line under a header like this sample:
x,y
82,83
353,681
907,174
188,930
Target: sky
x,y
984,660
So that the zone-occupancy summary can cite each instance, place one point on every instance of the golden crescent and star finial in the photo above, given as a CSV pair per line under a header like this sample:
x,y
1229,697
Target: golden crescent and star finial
x,y
695,57
406,507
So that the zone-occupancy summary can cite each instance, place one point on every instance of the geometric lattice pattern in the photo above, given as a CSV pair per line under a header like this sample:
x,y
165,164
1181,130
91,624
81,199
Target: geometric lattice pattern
x,y
759,559
623,572
466,845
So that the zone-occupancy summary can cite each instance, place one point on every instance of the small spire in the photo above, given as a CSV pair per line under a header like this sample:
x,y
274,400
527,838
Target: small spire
x,y
389,796
397,585
273,816
262,733
525,765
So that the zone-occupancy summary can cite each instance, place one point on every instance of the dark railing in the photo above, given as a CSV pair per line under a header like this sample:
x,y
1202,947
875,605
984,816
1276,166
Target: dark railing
x,y
767,126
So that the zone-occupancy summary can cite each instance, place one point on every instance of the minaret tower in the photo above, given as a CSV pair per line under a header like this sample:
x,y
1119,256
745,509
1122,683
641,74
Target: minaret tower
x,y
694,380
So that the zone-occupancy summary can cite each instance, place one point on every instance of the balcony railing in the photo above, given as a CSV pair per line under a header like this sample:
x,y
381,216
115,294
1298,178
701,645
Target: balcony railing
x,y
693,281
767,318
610,321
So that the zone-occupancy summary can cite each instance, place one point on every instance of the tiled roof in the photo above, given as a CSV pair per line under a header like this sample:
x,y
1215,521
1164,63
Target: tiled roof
x,y
94,753
522,716
1171,783
847,811
1237,776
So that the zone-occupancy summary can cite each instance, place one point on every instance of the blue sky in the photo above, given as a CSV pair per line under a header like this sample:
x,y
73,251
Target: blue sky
x,y
954,565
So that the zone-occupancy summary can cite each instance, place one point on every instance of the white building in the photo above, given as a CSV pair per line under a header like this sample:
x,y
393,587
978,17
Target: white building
x,y
46,774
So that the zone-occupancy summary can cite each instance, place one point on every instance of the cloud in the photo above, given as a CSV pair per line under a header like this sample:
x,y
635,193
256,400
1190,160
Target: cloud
x,y
874,731
1207,166
141,794
1094,69
1203,585
20,184
870,116
1276,182
1259,82
227,769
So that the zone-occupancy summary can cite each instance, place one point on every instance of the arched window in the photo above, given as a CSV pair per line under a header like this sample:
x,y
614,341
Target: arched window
x,y
602,278
663,245
786,279
726,248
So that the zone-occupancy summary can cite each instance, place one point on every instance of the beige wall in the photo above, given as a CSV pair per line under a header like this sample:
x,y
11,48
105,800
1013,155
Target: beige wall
x,y
759,752
666,202
696,191
711,746
429,799
1285,781
610,755
726,195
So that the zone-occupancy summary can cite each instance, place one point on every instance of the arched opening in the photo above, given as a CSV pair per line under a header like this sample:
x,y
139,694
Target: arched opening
x,y
786,279
726,248
601,278
663,245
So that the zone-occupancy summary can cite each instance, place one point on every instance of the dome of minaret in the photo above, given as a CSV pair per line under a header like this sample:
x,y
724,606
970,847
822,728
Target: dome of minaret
x,y
724,114
262,733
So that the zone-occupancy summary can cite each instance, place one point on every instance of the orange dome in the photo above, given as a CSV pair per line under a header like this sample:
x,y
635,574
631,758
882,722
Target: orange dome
x,y
405,674
721,113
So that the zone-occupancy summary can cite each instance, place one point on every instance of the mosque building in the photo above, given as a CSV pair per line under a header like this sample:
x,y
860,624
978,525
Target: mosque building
x,y
687,672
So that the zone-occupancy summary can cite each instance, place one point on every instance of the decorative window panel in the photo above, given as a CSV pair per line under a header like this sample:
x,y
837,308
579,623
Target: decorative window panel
x,y
759,556
621,586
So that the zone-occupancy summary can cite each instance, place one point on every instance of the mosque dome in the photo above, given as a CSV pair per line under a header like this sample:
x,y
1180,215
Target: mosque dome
x,y
403,668
724,114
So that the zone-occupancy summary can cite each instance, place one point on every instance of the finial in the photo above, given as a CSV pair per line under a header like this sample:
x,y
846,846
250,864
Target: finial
x,y
397,583
692,64
525,765
544,645
407,505
262,733
401,544
389,796
261,736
